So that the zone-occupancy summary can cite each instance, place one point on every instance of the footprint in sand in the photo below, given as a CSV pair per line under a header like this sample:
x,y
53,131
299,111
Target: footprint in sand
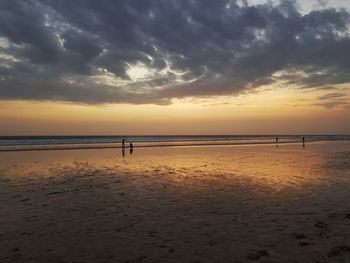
x,y
257,254
339,251
300,236
304,244
321,224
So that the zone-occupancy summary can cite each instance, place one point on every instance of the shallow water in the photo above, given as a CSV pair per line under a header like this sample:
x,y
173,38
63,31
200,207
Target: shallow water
x,y
270,166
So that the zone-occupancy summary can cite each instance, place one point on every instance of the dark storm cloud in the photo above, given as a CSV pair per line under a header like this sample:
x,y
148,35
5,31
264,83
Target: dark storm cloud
x,y
81,50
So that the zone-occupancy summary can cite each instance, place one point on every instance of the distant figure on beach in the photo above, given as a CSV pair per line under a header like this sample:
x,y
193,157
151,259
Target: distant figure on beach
x,y
276,139
131,148
123,143
303,141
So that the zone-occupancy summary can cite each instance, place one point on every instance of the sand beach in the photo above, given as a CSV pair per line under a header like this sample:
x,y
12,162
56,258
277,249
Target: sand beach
x,y
257,203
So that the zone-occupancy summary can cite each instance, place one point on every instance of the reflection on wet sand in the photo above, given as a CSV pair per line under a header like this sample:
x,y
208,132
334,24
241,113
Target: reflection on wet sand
x,y
208,204
131,150
259,164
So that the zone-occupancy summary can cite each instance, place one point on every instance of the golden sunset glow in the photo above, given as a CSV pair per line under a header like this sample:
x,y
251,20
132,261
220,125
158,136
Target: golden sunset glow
x,y
284,110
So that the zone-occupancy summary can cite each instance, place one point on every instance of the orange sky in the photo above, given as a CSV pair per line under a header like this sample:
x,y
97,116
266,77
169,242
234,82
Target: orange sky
x,y
266,111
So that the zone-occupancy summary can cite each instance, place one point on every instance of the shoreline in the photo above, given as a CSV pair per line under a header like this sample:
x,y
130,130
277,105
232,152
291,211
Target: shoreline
x,y
96,147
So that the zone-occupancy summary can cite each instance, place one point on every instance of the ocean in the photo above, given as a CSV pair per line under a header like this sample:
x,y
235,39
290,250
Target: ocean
x,y
21,143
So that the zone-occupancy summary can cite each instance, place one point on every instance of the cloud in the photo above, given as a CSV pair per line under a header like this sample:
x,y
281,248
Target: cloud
x,y
332,96
82,50
322,3
334,100
333,104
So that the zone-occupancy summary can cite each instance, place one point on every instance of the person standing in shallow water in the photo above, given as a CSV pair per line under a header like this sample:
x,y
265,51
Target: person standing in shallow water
x,y
131,148
123,147
303,141
123,143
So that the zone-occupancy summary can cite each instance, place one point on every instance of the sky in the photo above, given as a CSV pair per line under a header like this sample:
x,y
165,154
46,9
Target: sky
x,y
174,67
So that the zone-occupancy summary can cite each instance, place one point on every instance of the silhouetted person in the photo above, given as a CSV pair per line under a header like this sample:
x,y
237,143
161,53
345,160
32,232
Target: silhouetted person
x,y
123,143
276,139
303,141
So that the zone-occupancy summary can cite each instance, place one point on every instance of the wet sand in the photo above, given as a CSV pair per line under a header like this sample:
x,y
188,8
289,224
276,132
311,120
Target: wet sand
x,y
177,204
